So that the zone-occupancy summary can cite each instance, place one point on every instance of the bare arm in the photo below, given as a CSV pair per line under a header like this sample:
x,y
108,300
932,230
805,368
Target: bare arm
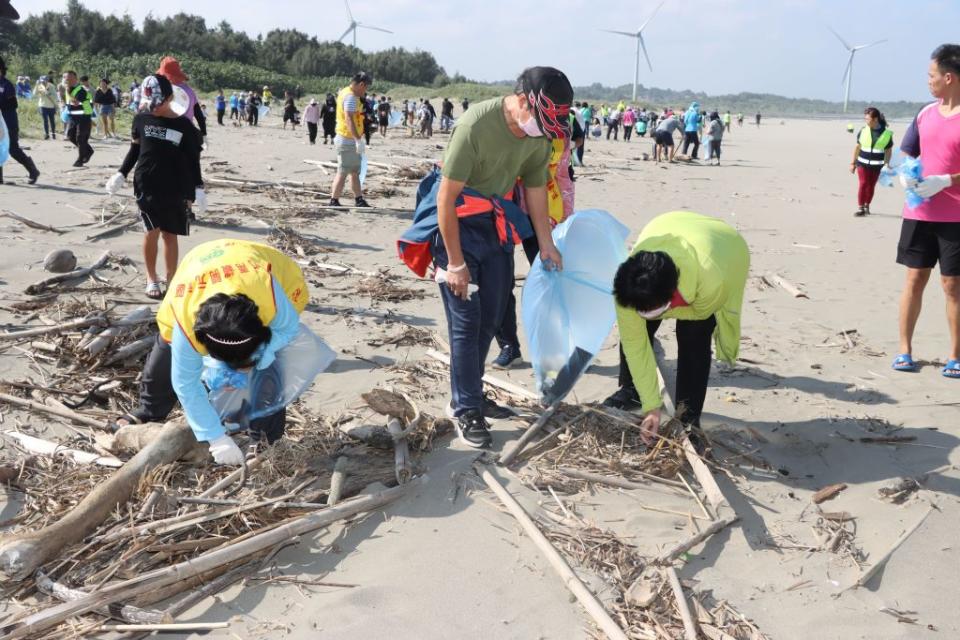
x,y
447,219
536,198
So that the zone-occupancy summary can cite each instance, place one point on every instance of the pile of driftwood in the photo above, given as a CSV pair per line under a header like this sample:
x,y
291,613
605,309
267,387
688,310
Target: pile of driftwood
x,y
105,538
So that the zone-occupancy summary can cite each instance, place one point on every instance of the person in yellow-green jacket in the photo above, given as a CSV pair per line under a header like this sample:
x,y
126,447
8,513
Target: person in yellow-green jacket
x,y
691,268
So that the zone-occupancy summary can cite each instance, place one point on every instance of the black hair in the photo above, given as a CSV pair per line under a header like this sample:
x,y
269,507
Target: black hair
x,y
947,57
364,77
646,281
874,112
3,67
230,318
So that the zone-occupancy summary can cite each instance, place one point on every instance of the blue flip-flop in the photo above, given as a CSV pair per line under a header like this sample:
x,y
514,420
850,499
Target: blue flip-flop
x,y
904,362
952,369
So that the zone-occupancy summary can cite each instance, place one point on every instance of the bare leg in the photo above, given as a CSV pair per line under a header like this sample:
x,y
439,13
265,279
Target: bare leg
x,y
911,301
150,239
355,185
171,253
951,289
337,187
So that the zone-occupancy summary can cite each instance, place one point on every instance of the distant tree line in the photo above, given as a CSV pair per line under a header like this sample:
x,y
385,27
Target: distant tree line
x,y
282,51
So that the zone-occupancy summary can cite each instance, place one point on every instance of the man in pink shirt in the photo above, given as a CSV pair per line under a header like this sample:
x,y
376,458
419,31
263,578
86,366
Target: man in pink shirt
x,y
931,231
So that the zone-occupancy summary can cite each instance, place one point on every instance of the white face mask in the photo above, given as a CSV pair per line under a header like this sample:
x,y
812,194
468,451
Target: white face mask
x,y
531,128
655,313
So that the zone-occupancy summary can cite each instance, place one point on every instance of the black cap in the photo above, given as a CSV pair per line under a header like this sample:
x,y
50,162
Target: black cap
x,y
7,11
550,95
364,77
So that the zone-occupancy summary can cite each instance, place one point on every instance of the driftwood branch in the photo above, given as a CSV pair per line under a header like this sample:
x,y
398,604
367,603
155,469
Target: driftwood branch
x,y
589,601
882,560
43,285
101,341
493,381
132,350
689,626
53,449
60,412
33,224
672,554
529,434
79,323
125,612
21,554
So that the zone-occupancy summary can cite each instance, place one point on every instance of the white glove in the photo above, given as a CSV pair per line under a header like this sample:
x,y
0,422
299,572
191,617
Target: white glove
x,y
360,147
114,183
200,200
908,183
932,185
225,451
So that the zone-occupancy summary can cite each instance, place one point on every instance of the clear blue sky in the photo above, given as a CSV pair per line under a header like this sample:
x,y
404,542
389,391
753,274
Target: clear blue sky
x,y
718,46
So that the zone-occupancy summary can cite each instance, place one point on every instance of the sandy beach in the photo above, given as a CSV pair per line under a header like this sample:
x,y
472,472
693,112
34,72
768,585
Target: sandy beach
x,y
446,560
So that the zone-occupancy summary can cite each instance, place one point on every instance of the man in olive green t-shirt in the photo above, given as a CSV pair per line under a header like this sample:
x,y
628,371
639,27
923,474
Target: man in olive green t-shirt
x,y
493,144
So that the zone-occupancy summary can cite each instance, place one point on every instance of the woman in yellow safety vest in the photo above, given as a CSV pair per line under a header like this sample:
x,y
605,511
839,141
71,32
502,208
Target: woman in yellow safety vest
x,y
237,302
873,150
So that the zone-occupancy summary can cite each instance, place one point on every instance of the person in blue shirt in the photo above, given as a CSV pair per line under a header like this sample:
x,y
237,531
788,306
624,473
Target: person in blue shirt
x,y
221,107
691,129
234,106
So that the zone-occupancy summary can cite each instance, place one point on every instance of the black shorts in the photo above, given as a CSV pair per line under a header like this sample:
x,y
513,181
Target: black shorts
x,y
923,244
383,122
172,217
664,138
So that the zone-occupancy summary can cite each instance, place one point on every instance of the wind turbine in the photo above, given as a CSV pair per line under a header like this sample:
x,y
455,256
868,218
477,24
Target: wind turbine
x,y
848,72
638,34
354,24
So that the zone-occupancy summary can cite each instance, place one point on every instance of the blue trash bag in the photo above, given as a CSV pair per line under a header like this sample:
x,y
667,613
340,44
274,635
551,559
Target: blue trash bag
x,y
911,168
394,120
263,111
242,396
65,115
568,314
4,142
363,169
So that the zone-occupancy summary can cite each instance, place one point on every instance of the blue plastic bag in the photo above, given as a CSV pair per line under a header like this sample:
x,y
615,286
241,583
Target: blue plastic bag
x,y
568,314
242,396
263,111
910,168
395,119
363,169
4,142
65,115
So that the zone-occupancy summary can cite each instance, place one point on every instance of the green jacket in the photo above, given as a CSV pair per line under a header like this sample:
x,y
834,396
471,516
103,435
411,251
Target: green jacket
x,y
713,261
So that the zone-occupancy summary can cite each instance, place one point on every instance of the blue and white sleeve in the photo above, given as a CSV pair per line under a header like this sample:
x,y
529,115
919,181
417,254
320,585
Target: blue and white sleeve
x,y
185,370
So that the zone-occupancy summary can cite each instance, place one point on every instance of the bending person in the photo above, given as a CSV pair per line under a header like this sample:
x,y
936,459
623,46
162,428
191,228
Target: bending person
x,y
237,302
691,268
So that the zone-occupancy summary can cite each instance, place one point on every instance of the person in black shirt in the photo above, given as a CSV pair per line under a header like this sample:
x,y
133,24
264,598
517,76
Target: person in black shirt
x,y
81,117
290,111
165,149
8,109
465,105
328,115
446,115
253,109
383,116
106,101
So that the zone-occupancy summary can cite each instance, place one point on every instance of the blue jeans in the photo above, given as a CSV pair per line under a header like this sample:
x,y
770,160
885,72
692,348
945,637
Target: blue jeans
x,y
49,115
472,323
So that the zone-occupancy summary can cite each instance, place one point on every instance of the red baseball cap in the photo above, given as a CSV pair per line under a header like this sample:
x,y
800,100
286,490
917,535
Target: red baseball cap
x,y
170,68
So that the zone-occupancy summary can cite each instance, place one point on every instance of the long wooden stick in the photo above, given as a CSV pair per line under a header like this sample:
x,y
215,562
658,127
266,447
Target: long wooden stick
x,y
101,341
689,626
570,579
528,435
172,626
882,560
493,381
614,481
78,323
33,224
673,553
230,479
55,411
50,617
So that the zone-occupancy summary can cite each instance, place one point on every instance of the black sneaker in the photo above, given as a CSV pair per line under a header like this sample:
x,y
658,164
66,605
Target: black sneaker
x,y
473,430
862,211
625,399
494,411
509,357
78,163
360,202
334,202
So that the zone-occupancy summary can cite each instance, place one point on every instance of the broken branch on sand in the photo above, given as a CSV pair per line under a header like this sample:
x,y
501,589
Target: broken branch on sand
x,y
882,560
689,626
786,285
76,274
493,381
79,323
30,223
60,412
570,579
673,553
43,447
